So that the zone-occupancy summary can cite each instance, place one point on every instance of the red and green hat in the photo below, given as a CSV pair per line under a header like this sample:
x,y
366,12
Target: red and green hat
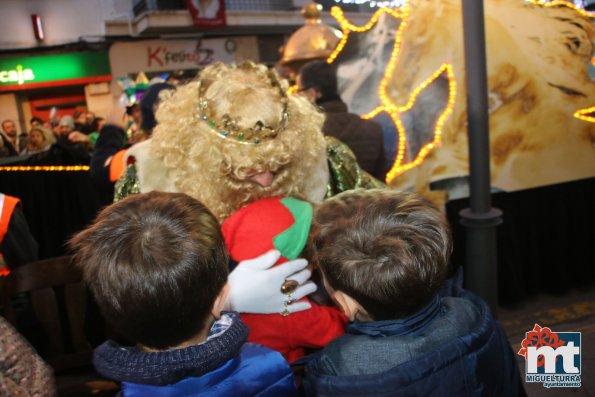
x,y
281,223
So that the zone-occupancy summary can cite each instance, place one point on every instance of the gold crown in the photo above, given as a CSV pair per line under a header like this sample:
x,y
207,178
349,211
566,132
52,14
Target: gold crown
x,y
229,128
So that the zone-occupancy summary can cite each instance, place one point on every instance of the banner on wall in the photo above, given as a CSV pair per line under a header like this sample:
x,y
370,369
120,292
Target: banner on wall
x,y
541,96
207,13
166,55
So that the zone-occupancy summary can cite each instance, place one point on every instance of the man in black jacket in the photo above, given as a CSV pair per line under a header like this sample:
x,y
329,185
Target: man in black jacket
x,y
317,81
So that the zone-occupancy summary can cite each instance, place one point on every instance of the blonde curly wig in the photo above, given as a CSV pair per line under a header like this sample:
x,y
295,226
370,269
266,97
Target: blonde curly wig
x,y
214,169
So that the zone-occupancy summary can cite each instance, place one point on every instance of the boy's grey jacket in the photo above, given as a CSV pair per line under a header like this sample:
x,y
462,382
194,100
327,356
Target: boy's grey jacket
x,y
453,347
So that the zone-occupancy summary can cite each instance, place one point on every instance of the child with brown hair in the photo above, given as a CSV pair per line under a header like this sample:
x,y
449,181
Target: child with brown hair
x,y
383,255
157,266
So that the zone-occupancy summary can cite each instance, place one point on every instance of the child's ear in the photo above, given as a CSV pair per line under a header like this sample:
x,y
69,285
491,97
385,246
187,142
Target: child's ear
x,y
348,305
220,302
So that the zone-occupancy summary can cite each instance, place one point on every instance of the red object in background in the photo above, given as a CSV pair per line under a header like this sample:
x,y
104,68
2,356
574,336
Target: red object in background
x,y
37,27
65,104
207,13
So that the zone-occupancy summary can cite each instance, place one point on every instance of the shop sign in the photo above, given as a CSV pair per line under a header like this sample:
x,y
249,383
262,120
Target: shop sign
x,y
362,5
48,70
168,55
164,56
18,76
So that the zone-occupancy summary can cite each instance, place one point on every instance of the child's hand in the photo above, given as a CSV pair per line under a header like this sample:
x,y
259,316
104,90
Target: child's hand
x,y
257,289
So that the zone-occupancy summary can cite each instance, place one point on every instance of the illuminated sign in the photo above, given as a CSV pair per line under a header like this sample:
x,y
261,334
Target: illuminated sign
x,y
53,70
18,76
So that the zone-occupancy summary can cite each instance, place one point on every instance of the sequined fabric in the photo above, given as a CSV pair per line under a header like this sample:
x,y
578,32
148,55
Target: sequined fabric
x,y
127,183
345,174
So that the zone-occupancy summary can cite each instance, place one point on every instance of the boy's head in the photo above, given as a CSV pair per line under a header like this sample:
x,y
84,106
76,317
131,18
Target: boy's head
x,y
157,266
383,253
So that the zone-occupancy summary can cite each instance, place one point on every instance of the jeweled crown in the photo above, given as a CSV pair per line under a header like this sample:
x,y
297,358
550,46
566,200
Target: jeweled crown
x,y
228,128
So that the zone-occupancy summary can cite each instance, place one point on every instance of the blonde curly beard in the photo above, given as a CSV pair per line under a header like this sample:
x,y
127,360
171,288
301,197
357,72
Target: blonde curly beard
x,y
186,155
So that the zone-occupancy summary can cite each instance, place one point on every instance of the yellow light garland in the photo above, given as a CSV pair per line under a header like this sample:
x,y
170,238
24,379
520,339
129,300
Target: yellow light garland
x,y
395,111
587,114
387,104
61,168
399,168
564,4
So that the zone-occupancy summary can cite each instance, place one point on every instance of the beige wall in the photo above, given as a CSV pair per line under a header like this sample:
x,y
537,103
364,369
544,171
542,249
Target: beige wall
x,y
99,99
26,109
8,109
64,21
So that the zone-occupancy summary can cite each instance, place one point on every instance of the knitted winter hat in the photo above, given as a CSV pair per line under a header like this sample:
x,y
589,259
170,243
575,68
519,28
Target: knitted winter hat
x,y
271,223
67,120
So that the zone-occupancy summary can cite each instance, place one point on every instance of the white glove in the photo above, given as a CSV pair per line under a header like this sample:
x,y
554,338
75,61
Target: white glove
x,y
254,288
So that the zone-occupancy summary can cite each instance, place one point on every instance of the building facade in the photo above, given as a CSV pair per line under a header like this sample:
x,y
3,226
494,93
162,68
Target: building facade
x,y
52,63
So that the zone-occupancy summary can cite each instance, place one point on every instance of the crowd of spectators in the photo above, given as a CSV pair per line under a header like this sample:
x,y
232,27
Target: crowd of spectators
x,y
66,139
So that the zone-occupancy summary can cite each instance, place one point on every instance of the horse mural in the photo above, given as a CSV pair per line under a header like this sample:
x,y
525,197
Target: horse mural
x,y
407,66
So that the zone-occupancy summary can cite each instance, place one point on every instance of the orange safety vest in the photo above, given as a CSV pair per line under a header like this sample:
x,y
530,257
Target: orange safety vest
x,y
117,165
7,205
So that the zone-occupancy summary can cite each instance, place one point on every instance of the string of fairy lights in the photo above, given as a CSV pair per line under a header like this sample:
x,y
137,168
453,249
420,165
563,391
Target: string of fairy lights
x,y
587,114
387,105
45,168
400,166
562,3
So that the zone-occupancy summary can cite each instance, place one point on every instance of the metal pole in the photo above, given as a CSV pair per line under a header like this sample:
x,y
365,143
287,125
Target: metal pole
x,y
480,220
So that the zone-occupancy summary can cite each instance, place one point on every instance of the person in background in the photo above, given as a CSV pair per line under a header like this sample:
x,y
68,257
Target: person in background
x,y
107,163
317,81
89,139
133,114
40,140
36,122
67,149
17,244
96,126
80,122
89,117
9,139
164,288
384,255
